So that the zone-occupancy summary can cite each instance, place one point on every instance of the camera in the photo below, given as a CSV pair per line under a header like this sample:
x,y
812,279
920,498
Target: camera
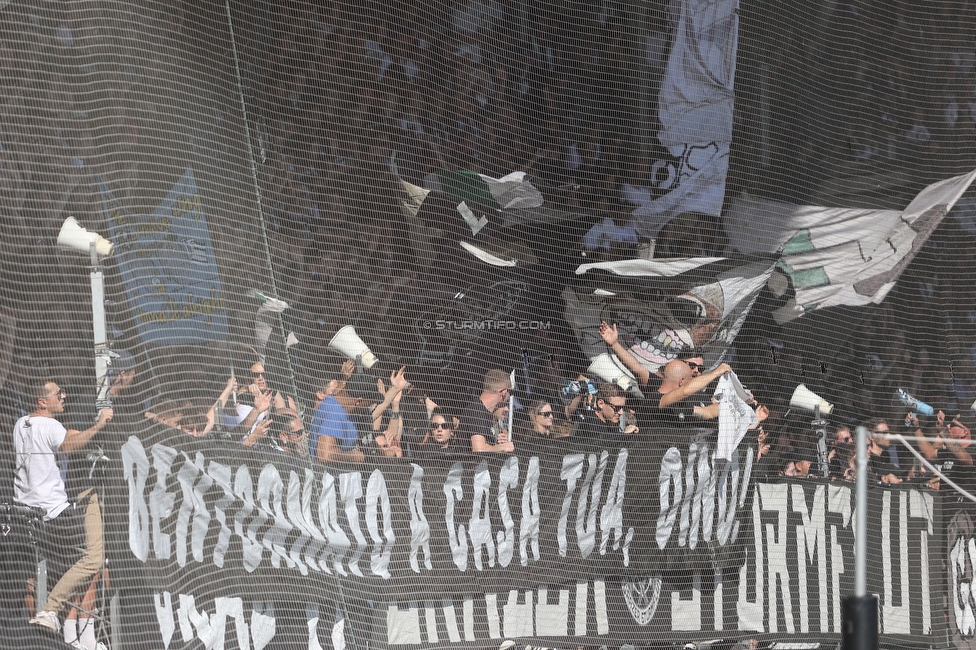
x,y
574,388
625,421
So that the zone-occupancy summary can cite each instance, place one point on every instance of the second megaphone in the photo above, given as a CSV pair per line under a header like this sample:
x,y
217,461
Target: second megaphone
x,y
805,399
913,403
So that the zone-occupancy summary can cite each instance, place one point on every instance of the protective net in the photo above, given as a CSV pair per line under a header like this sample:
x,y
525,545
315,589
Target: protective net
x,y
485,324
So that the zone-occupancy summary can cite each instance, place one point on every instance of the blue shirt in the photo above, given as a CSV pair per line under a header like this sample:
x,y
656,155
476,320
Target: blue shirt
x,y
330,419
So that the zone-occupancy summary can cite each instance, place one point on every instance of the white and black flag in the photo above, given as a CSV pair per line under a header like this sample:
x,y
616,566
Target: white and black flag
x,y
663,308
696,104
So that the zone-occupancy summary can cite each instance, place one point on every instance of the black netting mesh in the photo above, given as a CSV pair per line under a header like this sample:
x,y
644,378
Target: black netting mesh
x,y
416,323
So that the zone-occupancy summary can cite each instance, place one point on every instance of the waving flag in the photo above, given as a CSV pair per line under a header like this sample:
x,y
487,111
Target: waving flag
x,y
839,256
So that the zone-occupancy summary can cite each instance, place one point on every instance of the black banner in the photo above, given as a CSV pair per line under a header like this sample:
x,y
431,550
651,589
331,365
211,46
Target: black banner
x,y
556,545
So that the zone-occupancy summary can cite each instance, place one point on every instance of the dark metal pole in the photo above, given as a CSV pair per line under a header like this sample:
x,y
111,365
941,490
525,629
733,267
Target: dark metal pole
x,y
859,613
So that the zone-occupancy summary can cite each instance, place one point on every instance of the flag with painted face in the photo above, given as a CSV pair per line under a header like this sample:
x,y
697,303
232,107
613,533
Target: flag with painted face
x,y
664,308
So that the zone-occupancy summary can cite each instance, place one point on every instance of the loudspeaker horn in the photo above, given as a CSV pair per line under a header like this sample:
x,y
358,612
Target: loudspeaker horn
x,y
348,343
604,367
806,400
76,238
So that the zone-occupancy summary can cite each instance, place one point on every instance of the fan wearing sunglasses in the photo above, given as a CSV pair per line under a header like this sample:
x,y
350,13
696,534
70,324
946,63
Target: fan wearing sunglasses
x,y
541,418
602,423
440,439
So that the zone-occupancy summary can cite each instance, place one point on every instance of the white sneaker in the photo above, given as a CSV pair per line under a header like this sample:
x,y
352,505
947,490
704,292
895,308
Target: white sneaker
x,y
47,619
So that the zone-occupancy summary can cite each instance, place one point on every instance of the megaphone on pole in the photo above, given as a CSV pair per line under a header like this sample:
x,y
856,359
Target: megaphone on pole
x,y
806,400
74,237
348,343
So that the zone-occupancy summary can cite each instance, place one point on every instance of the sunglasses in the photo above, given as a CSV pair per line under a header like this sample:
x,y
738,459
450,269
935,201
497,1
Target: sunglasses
x,y
441,425
257,374
617,409
693,365
545,414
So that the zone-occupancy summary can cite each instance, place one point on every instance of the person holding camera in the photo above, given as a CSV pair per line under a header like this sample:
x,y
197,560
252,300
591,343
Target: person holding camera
x,y
71,535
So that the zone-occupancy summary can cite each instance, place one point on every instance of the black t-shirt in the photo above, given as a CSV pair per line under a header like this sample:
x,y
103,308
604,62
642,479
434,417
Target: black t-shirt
x,y
883,464
476,420
959,473
679,414
592,429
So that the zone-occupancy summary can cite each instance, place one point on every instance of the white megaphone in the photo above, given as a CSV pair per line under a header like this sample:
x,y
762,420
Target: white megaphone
x,y
347,342
76,238
806,400
604,367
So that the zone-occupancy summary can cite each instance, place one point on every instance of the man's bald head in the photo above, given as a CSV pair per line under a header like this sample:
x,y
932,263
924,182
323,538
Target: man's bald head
x,y
676,373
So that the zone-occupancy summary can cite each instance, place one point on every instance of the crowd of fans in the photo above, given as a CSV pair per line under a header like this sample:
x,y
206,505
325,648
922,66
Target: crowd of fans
x,y
482,87
354,415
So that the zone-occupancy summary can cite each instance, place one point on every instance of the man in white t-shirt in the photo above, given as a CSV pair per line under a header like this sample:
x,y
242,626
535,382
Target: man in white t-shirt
x,y
69,529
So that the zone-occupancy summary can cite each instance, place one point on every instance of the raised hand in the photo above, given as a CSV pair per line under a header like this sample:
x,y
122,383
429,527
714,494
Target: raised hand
x,y
398,379
104,417
608,333
262,402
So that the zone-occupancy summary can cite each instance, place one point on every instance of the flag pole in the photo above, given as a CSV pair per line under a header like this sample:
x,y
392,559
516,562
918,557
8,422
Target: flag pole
x,y
860,611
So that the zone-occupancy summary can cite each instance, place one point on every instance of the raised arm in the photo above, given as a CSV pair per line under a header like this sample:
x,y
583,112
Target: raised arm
x,y
261,405
928,448
397,384
75,440
610,337
694,385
